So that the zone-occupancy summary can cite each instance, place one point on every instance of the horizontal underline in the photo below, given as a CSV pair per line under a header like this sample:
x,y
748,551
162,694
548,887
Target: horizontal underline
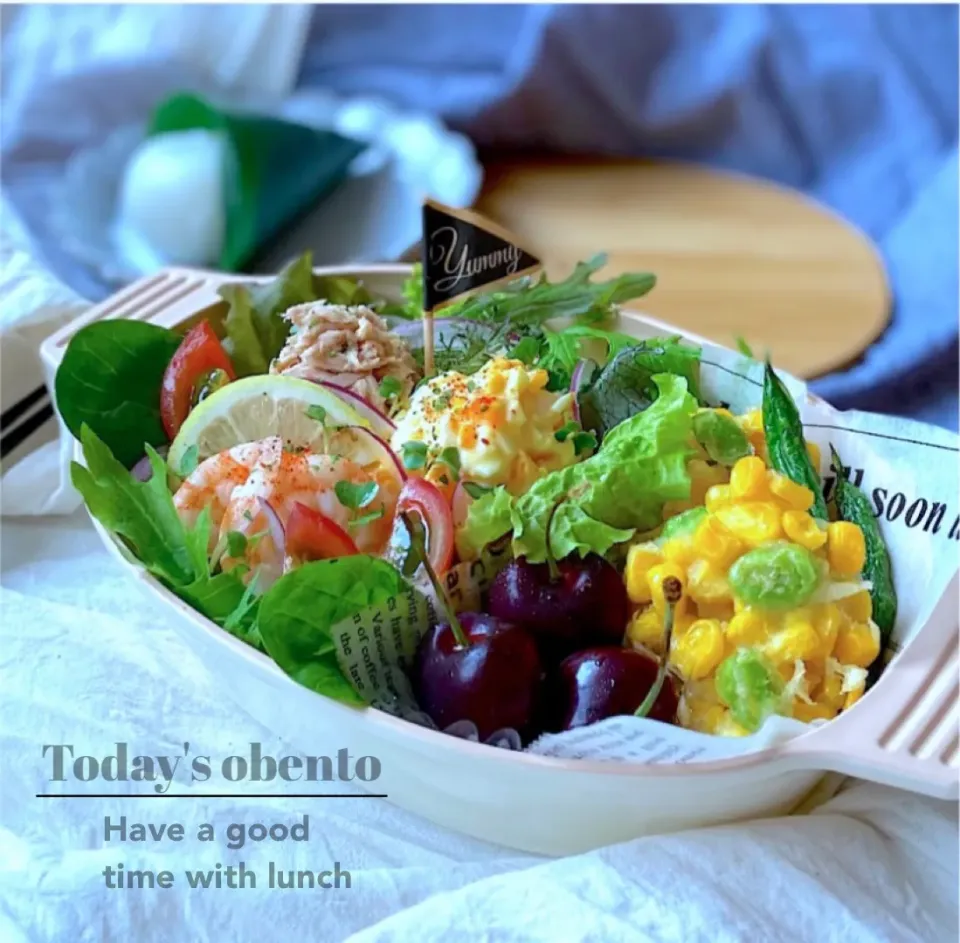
x,y
211,795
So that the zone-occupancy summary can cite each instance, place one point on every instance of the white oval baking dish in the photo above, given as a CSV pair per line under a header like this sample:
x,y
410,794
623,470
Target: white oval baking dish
x,y
902,732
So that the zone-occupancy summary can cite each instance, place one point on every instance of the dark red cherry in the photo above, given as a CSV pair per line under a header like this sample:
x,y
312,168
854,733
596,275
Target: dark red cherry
x,y
585,604
606,682
496,680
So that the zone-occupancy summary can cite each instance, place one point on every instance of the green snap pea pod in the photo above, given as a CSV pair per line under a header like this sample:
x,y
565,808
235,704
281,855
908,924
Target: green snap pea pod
x,y
779,575
722,439
785,443
853,506
750,685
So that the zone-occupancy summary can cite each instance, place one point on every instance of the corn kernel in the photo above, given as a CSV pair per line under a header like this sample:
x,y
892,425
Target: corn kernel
x,y
858,607
655,578
751,421
697,651
754,522
720,609
717,496
640,559
680,551
828,619
813,450
802,529
748,478
646,629
684,616
795,497
673,508
814,675
831,692
752,425
703,476
798,639
726,726
809,712
846,549
715,543
722,411
707,583
707,718
858,643
748,628
853,696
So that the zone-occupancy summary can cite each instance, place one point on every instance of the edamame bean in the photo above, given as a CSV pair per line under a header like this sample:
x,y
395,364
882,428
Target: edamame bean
x,y
750,685
775,576
685,523
723,440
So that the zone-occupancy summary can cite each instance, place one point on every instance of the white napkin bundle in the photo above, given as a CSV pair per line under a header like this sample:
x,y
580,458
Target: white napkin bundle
x,y
35,457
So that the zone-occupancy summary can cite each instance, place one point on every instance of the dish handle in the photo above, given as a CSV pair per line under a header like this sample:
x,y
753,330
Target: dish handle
x,y
905,732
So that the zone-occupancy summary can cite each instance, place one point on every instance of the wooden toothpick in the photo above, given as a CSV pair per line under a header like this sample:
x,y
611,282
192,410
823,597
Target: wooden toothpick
x,y
427,344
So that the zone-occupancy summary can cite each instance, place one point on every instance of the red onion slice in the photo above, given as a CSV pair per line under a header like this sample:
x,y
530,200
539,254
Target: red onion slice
x,y
378,420
142,470
581,373
274,525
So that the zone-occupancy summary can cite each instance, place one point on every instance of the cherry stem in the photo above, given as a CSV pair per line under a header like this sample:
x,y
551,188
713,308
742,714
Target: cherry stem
x,y
672,591
552,567
418,547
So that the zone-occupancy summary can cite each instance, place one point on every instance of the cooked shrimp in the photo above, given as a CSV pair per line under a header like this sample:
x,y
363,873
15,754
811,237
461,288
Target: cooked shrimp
x,y
252,489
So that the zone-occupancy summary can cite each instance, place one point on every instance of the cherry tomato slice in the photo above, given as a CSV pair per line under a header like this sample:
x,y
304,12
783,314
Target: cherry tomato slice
x,y
428,501
313,536
199,352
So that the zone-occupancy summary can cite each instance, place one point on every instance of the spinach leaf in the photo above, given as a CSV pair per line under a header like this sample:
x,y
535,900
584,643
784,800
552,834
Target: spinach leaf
x,y
110,380
625,386
298,612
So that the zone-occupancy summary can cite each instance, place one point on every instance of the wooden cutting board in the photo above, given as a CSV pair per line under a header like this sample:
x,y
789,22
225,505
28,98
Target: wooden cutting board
x,y
734,256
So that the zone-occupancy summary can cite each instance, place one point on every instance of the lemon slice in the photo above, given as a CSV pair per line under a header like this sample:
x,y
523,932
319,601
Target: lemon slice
x,y
256,407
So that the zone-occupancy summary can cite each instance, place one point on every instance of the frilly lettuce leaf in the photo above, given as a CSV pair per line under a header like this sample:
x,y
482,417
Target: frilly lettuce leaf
x,y
640,465
488,519
606,498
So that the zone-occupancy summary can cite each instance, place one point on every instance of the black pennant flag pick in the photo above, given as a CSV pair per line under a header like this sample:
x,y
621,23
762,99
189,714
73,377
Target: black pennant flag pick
x,y
463,253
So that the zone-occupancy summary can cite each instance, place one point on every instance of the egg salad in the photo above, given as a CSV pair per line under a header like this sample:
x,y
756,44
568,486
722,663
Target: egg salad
x,y
501,419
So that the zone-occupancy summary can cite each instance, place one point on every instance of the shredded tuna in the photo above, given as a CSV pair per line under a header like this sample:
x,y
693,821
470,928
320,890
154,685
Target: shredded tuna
x,y
351,346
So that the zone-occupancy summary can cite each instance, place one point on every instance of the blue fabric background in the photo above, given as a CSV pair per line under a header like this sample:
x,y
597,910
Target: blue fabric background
x,y
856,106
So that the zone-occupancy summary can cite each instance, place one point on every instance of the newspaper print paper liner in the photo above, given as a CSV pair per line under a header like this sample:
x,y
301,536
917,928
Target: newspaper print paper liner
x,y
907,469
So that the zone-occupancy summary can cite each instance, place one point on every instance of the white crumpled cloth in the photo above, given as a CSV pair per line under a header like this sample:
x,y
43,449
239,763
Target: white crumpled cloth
x,y
85,662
